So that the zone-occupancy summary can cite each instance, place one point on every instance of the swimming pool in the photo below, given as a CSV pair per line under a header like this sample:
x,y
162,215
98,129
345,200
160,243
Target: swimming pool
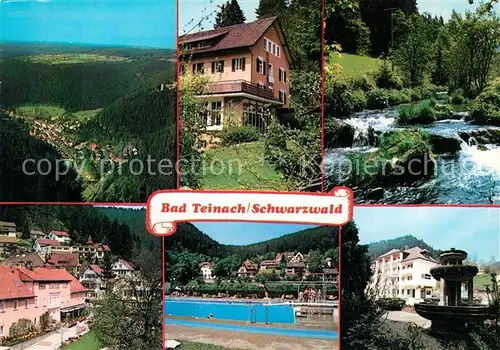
x,y
252,312
291,332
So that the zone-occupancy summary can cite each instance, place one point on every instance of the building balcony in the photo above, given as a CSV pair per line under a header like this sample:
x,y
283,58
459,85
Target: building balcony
x,y
241,87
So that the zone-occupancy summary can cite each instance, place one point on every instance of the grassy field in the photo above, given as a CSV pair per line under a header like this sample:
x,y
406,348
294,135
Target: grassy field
x,y
354,65
74,58
240,167
87,342
41,111
481,281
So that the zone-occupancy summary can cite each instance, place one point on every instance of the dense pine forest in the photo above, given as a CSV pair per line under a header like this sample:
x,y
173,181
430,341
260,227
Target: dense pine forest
x,y
100,109
376,249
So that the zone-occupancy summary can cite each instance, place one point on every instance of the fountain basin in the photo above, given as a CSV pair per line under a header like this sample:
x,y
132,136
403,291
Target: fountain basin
x,y
449,318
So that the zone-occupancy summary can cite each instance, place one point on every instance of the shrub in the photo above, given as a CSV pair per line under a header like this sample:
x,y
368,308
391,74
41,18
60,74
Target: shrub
x,y
457,98
362,82
378,98
357,100
241,134
385,78
343,99
423,113
391,304
397,97
485,108
443,112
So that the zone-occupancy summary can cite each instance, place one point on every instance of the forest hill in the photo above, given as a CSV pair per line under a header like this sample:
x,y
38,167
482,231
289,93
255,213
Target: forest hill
x,y
252,208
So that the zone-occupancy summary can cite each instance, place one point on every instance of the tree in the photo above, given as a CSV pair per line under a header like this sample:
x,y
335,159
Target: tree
x,y
315,261
25,232
229,14
439,74
225,267
269,8
377,16
413,51
130,316
107,266
474,39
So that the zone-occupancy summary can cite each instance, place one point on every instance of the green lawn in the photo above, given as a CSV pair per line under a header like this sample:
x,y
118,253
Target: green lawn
x,y
240,167
41,111
87,342
481,281
354,65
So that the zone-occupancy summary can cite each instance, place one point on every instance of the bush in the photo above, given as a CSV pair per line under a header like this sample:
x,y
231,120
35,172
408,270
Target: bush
x,y
362,82
342,99
457,98
397,97
377,99
391,304
386,79
235,135
485,108
423,113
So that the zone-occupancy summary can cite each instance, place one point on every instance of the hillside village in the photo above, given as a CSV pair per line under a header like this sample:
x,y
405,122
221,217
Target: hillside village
x,y
55,281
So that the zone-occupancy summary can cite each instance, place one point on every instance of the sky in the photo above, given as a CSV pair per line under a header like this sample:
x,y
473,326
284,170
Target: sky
x,y
241,233
139,23
475,230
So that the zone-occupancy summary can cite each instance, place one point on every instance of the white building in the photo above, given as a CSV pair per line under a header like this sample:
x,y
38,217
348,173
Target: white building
x,y
123,268
92,279
60,236
44,246
404,274
206,270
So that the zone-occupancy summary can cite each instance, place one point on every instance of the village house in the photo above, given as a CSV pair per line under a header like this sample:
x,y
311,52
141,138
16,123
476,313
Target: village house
x,y
8,245
44,246
269,264
248,269
60,236
8,229
29,260
206,271
93,280
248,68
67,261
122,268
404,274
29,293
37,234
93,250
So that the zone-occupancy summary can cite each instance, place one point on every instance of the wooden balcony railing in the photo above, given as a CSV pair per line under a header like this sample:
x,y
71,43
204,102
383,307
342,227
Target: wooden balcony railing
x,y
240,86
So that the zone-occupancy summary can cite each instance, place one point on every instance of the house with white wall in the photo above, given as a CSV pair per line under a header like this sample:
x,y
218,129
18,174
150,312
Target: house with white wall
x,y
60,236
404,274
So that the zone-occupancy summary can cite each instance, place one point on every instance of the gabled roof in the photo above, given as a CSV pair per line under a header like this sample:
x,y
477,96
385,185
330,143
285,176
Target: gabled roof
x,y
48,242
8,239
231,37
11,285
125,263
417,253
75,286
207,264
249,265
44,274
97,269
105,247
60,233
20,260
390,252
8,224
63,259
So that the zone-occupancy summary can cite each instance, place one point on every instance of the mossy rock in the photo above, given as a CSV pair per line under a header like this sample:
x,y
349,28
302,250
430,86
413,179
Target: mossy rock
x,y
338,134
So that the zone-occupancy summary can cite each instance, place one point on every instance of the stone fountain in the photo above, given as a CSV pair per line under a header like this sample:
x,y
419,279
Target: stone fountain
x,y
452,313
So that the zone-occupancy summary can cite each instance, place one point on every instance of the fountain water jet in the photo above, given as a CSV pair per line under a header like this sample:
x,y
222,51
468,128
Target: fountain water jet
x,y
451,314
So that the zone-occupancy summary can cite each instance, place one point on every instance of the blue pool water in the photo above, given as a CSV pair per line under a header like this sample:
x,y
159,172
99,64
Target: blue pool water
x,y
231,310
292,332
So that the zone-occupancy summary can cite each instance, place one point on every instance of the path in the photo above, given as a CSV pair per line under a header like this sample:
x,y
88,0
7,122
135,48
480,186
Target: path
x,y
402,316
53,341
233,340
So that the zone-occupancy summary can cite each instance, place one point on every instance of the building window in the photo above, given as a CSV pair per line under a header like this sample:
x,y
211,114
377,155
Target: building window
x,y
282,96
199,67
41,286
218,67
238,64
16,305
214,113
261,66
2,306
272,47
282,75
1,330
26,303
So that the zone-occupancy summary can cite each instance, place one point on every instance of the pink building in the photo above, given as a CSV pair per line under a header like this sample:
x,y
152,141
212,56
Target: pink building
x,y
248,66
29,294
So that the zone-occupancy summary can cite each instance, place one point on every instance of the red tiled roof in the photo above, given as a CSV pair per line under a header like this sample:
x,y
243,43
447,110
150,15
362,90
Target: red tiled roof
x,y
104,246
206,263
60,233
75,286
19,260
127,264
11,285
239,35
269,263
47,241
97,269
44,274
63,259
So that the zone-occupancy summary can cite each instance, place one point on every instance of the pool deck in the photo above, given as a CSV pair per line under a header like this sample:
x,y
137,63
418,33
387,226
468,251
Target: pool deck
x,y
240,340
